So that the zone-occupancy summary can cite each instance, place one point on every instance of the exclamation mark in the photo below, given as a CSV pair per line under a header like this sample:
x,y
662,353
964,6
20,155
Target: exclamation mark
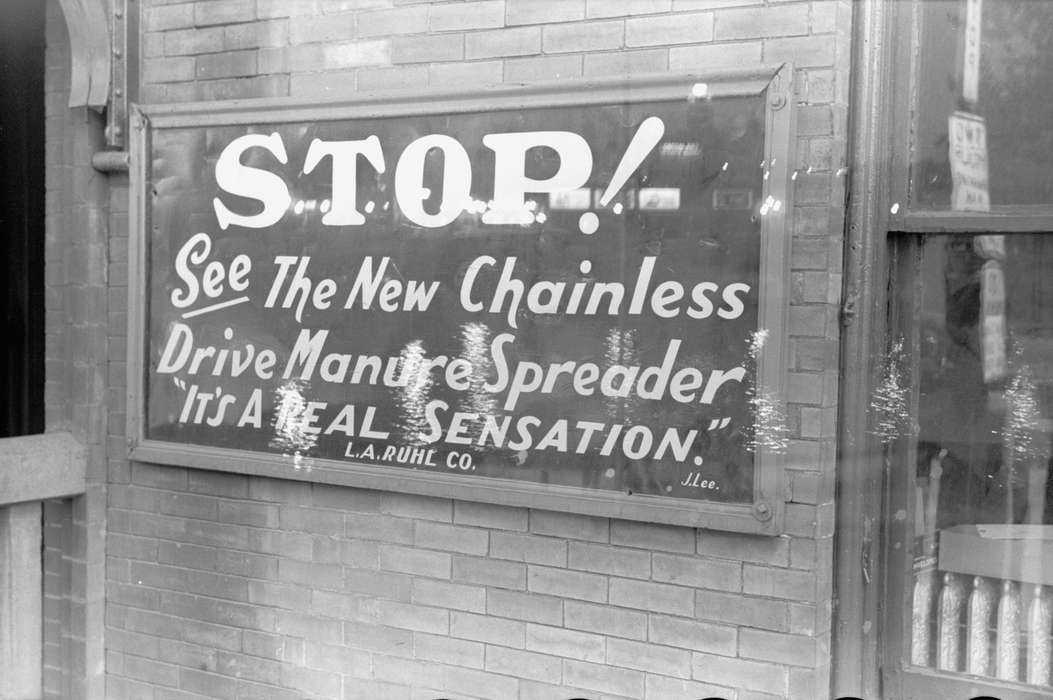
x,y
647,136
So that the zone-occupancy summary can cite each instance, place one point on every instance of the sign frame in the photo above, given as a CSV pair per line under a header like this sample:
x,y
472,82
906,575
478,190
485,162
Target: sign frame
x,y
765,515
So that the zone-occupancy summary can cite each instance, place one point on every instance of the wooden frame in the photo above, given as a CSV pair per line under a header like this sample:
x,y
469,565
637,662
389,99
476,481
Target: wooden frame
x,y
871,565
763,515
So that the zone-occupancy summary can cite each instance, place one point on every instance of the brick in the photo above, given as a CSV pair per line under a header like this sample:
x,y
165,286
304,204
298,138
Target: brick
x,y
289,492
466,680
683,28
476,73
344,499
805,51
449,595
193,41
794,650
246,513
247,564
606,620
163,17
213,611
665,687
286,8
804,387
750,548
787,584
590,36
528,548
149,670
525,70
311,682
567,584
739,610
451,538
309,29
739,673
626,62
415,561
167,577
331,656
133,596
419,507
653,536
651,658
360,554
485,14
216,534
189,505
543,11
324,522
252,35
518,41
277,595
801,519
609,560
570,525
761,22
375,638
607,679
218,484
524,606
166,70
690,634
331,84
380,584
217,585
523,664
422,49
489,572
659,597
490,516
119,545
446,650
308,627
711,56
566,643
618,8
492,630
223,12
403,20
379,527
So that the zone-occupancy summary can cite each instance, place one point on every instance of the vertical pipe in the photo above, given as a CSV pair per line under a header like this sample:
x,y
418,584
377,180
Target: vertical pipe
x,y
21,601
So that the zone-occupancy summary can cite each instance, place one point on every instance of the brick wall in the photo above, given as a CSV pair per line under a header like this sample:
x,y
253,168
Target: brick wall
x,y
225,586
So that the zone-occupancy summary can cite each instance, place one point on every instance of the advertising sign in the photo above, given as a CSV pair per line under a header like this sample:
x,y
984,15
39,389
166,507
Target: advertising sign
x,y
968,157
537,295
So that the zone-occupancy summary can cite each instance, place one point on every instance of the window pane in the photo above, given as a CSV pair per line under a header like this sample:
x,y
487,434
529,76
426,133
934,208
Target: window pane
x,y
983,551
1016,68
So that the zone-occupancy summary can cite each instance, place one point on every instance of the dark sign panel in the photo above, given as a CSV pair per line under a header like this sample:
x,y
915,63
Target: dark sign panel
x,y
560,295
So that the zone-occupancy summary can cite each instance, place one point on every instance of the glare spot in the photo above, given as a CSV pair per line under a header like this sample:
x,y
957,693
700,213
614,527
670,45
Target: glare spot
x,y
895,207
589,223
585,267
326,205
298,207
370,206
617,208
699,90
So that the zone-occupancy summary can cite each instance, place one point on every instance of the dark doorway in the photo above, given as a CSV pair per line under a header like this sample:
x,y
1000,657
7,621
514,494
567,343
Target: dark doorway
x,y
22,217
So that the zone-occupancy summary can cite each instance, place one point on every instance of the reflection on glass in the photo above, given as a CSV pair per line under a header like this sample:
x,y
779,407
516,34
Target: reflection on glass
x,y
983,549
1016,62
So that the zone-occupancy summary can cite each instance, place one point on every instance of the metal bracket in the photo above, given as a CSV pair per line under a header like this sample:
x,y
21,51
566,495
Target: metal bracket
x,y
117,108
